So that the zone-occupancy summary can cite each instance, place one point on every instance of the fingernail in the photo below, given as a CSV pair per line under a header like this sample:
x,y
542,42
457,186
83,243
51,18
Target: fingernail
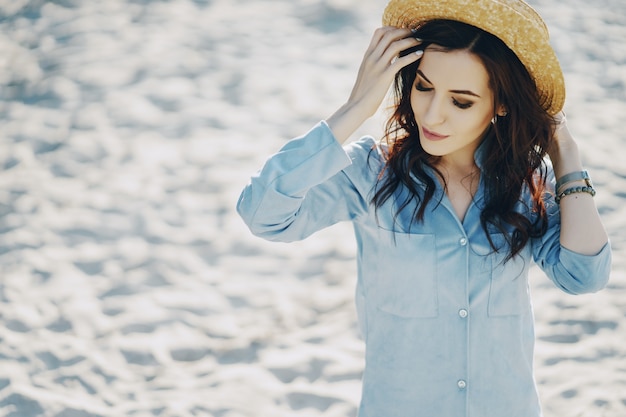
x,y
419,52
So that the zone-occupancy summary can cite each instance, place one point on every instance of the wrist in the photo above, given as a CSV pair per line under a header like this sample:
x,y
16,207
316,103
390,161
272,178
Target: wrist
x,y
346,120
566,158
573,179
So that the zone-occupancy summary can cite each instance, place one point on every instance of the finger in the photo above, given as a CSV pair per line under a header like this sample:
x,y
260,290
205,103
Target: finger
x,y
389,37
378,36
401,48
397,63
403,44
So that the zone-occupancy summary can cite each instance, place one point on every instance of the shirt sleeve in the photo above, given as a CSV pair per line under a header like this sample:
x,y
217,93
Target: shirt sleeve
x,y
572,272
307,186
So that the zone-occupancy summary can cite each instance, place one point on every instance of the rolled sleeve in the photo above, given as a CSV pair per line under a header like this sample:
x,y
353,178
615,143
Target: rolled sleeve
x,y
580,274
572,272
301,189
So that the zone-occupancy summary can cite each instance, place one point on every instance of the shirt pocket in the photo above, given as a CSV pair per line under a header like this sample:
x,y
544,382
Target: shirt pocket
x,y
406,281
508,292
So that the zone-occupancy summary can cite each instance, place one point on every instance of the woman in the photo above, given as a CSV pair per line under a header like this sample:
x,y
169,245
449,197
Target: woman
x,y
451,209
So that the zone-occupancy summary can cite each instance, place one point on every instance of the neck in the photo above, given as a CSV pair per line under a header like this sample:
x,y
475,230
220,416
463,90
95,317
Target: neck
x,y
455,169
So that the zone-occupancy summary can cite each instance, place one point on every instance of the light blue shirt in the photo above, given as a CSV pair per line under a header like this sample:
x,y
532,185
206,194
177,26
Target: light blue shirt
x,y
448,327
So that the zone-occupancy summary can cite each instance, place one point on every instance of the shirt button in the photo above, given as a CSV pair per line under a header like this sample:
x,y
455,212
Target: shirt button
x,y
461,384
462,241
462,313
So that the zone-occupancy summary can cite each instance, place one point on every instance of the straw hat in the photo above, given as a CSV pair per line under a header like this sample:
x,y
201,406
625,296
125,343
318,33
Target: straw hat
x,y
517,24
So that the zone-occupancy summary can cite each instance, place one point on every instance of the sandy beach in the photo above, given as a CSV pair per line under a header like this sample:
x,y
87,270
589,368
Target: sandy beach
x,y
128,284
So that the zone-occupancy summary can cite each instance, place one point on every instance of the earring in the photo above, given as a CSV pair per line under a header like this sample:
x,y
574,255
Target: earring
x,y
495,118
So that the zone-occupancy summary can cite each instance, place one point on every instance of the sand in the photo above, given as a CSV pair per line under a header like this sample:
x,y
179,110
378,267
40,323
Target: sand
x,y
128,284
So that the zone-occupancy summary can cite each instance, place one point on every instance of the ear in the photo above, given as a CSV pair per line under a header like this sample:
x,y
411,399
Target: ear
x,y
502,111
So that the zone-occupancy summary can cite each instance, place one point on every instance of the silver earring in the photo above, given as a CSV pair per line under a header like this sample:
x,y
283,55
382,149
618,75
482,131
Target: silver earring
x,y
495,118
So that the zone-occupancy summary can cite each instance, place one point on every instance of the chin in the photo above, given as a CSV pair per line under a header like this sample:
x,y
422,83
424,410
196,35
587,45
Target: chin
x,y
428,147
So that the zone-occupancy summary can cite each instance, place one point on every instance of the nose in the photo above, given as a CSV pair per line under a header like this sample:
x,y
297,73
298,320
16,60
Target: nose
x,y
435,113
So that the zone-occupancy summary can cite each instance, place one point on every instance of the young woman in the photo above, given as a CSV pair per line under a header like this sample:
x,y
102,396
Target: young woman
x,y
450,209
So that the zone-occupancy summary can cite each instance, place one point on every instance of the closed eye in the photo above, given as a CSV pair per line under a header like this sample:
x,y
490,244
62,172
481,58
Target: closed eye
x,y
420,87
460,105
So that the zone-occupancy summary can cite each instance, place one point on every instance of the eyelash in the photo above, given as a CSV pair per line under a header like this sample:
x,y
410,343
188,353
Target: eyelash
x,y
420,87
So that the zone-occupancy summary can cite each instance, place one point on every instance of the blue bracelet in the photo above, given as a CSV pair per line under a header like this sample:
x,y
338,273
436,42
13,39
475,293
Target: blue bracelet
x,y
573,176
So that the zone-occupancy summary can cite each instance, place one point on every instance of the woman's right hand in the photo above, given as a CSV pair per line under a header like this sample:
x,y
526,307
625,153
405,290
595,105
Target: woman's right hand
x,y
380,64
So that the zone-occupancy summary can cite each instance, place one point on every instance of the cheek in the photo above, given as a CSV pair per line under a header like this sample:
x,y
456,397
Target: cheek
x,y
480,120
416,104
481,123
486,121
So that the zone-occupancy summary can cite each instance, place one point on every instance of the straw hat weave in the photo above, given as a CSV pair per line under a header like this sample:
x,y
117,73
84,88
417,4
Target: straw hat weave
x,y
517,24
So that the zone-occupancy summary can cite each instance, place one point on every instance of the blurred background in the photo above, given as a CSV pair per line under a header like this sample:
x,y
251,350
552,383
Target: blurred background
x,y
128,284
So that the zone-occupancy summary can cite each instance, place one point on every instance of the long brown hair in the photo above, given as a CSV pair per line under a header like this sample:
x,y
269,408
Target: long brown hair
x,y
515,145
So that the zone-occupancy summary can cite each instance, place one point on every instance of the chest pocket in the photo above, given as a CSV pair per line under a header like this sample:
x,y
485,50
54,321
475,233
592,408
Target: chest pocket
x,y
508,292
405,280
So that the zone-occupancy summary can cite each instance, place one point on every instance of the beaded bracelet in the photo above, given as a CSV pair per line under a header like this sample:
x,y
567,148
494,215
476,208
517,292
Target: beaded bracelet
x,y
574,190
571,177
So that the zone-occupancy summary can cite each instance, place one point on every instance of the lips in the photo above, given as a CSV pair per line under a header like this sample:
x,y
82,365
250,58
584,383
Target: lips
x,y
430,135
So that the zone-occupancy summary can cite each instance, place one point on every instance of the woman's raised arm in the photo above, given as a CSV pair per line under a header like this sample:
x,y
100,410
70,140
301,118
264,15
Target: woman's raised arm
x,y
582,230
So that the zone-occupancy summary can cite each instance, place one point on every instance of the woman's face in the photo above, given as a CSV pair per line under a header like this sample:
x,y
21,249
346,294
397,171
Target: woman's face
x,y
452,103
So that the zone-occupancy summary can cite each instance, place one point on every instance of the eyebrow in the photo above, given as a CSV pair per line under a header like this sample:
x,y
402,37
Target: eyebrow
x,y
465,92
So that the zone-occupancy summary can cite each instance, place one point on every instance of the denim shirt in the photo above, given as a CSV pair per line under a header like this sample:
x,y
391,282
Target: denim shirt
x,y
448,326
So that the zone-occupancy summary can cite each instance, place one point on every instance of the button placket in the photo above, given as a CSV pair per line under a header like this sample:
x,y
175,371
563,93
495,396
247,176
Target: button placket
x,y
463,313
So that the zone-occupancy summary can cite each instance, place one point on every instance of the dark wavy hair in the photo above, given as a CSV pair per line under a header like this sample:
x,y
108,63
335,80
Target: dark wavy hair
x,y
515,146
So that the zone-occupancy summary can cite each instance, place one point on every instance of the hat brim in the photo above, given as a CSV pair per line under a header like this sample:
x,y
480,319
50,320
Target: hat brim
x,y
517,24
